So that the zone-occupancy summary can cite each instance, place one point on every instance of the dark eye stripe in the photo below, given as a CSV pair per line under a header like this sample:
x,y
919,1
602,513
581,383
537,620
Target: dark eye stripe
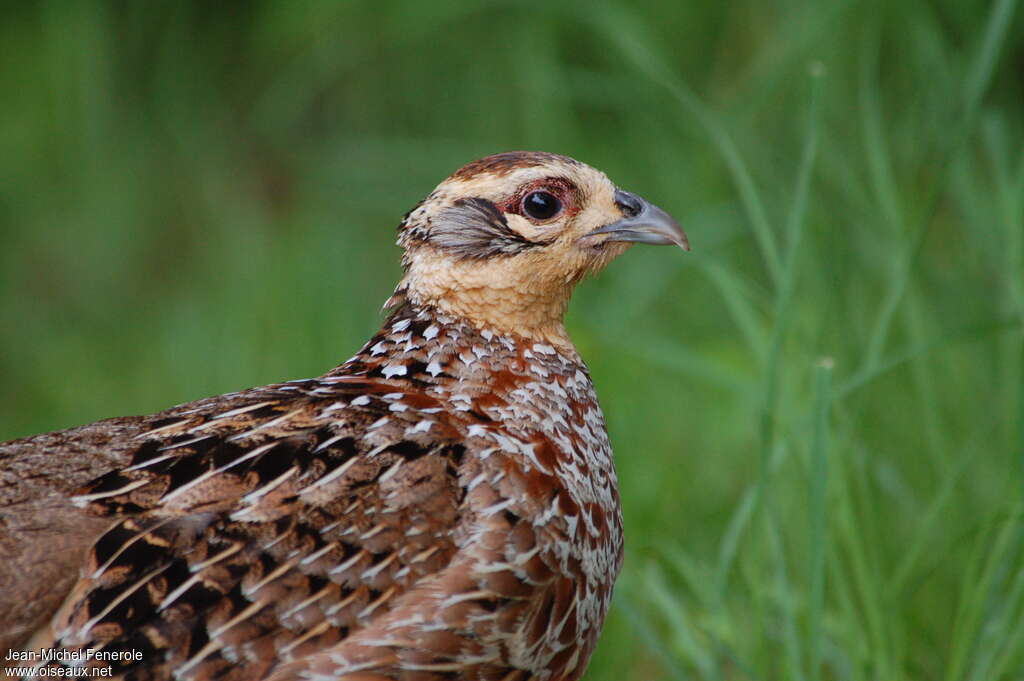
x,y
476,228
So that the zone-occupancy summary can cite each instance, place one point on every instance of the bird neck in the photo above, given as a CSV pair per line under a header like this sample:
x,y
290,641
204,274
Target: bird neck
x,y
420,345
508,302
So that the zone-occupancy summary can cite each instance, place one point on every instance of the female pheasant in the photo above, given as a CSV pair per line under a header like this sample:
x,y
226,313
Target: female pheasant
x,y
441,506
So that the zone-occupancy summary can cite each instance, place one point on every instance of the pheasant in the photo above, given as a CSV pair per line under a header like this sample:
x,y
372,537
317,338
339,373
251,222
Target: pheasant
x,y
443,505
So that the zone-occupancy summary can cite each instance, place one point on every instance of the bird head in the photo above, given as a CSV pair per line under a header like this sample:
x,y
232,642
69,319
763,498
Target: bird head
x,y
503,241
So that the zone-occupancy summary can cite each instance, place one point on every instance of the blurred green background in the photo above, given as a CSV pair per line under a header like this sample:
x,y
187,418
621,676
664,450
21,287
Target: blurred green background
x,y
818,414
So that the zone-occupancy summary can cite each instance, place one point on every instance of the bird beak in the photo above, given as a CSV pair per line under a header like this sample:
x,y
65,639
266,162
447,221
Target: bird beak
x,y
644,223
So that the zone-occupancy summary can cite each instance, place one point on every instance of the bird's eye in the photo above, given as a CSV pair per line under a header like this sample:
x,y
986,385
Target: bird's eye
x,y
541,205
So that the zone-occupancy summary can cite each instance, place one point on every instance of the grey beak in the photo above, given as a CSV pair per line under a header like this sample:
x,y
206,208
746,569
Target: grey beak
x,y
644,223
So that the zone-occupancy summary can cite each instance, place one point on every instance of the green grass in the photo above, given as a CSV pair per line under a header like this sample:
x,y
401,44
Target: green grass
x,y
818,414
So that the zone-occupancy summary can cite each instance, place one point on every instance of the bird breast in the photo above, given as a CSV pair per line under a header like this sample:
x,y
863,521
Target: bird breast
x,y
543,477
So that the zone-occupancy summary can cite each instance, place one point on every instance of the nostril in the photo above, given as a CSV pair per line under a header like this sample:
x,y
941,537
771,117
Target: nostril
x,y
629,204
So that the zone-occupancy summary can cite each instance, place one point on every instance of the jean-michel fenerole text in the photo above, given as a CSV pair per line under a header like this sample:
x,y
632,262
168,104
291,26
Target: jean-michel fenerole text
x,y
84,656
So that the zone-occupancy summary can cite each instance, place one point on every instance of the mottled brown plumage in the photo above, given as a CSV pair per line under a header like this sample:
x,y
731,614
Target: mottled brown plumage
x,y
441,506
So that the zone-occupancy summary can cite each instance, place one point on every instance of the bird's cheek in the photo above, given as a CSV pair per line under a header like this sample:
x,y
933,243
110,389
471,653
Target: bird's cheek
x,y
527,229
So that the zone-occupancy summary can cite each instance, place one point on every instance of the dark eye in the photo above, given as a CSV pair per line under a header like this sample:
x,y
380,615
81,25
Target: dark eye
x,y
541,205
